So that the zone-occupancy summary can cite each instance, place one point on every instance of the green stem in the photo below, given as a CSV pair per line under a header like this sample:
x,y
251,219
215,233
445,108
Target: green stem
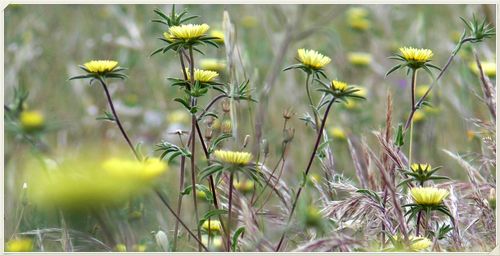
x,y
230,214
311,102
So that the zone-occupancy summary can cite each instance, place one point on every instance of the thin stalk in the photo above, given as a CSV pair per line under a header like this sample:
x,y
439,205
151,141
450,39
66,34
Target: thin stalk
x,y
164,201
311,159
179,202
413,108
230,214
117,119
193,146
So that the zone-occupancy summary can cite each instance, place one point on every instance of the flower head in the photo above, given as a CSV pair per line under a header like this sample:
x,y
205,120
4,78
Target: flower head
x,y
212,64
219,35
212,226
417,166
489,68
359,58
312,58
131,169
428,196
203,76
188,31
338,86
417,243
31,120
416,55
19,245
233,157
337,133
357,18
101,66
243,186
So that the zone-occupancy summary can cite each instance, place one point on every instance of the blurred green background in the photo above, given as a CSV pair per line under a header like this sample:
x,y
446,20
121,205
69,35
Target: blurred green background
x,y
44,44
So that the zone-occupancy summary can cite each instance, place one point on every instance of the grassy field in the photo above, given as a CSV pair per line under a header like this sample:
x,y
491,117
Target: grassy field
x,y
72,182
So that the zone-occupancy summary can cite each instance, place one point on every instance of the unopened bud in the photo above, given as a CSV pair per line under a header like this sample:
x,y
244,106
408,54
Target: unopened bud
x,y
226,106
208,134
288,135
288,113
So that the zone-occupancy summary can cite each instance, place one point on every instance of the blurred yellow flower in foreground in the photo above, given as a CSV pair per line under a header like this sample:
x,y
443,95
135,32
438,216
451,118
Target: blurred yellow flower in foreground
x,y
188,31
359,58
418,116
31,120
219,34
489,68
312,58
86,182
100,66
19,245
215,242
421,90
428,195
203,76
233,157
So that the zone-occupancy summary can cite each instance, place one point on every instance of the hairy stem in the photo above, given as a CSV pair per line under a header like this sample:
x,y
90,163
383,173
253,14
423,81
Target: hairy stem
x,y
413,109
311,159
179,202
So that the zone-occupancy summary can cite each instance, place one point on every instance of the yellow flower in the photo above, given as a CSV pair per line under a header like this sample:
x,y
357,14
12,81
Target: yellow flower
x,y
203,76
100,66
169,37
471,135
84,182
337,133
31,120
216,124
132,169
416,55
219,34
249,21
350,104
215,242
188,31
243,186
121,248
416,166
19,245
421,90
212,64
178,116
312,59
139,247
313,216
428,195
359,58
419,243
226,126
212,225
362,91
233,157
489,68
357,18
418,116
338,85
